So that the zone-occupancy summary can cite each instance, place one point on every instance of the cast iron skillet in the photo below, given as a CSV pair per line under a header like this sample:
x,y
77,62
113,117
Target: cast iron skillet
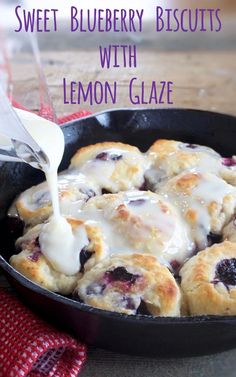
x,y
141,335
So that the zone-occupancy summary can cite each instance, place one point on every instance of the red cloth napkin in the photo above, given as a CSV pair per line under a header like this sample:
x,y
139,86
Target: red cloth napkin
x,y
31,347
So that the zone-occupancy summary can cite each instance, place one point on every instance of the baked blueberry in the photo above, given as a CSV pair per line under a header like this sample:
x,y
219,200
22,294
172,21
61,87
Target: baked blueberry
x,y
145,185
229,161
131,284
129,303
192,146
120,274
106,156
226,272
137,202
175,265
84,256
95,289
34,257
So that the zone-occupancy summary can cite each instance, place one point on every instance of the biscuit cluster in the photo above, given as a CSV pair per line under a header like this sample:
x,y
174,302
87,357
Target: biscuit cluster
x,y
161,228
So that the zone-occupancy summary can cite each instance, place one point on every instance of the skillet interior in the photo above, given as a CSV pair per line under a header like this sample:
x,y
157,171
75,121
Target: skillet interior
x,y
130,334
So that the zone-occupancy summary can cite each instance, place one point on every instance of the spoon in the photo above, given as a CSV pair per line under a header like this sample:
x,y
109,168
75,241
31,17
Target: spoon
x,y
18,144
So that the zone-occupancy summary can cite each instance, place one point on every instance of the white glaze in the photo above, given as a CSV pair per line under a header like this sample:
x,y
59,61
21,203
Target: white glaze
x,y
74,189
209,189
107,176
57,241
167,166
61,246
199,148
161,233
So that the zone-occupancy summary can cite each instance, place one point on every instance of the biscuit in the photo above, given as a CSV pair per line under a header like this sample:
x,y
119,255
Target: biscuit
x,y
130,284
205,201
139,221
34,205
169,158
31,262
113,166
208,281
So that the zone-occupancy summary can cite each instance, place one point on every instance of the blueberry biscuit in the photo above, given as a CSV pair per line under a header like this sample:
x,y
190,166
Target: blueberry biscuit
x,y
113,166
31,262
140,221
130,284
209,281
169,158
34,205
206,202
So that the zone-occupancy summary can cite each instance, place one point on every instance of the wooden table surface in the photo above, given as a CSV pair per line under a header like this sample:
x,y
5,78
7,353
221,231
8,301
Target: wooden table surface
x,y
204,80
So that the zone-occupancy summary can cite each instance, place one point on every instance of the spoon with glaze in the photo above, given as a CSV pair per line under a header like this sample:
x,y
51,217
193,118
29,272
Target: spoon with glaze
x,y
16,143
